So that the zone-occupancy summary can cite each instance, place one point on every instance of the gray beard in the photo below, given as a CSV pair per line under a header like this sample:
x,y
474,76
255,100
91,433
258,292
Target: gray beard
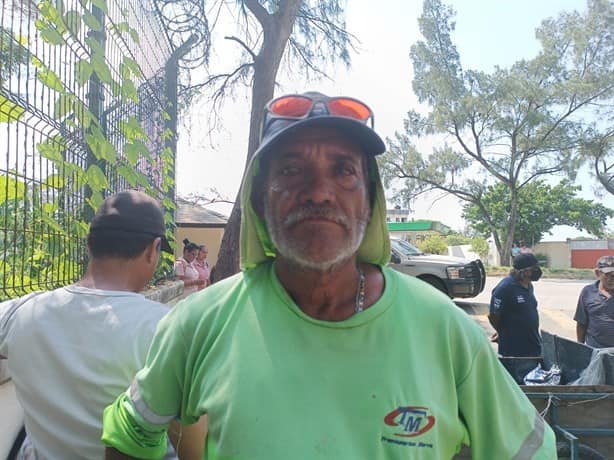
x,y
298,254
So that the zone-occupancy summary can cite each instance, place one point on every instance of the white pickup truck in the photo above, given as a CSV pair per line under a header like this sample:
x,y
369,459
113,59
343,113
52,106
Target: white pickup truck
x,y
454,276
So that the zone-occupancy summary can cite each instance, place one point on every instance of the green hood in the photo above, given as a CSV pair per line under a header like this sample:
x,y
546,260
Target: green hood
x,y
256,244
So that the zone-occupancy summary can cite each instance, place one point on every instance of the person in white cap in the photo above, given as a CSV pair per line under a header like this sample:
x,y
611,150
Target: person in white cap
x,y
71,351
595,311
317,350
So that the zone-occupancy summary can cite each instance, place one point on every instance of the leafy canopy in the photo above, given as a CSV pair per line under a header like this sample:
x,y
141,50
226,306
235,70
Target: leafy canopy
x,y
508,127
541,208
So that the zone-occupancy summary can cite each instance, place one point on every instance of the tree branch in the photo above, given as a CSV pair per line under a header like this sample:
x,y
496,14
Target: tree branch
x,y
244,45
259,11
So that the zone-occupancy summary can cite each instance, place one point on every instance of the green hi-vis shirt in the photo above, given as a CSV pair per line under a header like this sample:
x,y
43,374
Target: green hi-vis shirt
x,y
410,377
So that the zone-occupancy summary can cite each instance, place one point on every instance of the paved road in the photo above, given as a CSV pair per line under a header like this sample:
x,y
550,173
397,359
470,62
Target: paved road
x,y
556,299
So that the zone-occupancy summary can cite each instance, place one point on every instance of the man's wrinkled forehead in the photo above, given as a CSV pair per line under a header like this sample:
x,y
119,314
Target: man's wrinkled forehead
x,y
310,140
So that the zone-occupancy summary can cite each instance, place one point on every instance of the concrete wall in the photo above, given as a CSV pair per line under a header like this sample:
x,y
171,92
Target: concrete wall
x,y
211,237
558,253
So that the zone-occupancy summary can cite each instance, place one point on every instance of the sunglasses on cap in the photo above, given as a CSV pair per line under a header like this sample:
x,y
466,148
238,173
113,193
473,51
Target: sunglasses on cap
x,y
299,106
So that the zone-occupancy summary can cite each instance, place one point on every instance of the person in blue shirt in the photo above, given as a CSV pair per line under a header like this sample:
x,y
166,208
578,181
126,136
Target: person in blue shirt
x,y
513,309
595,311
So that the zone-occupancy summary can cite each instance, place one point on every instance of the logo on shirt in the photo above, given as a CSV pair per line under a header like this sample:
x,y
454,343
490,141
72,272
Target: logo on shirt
x,y
520,299
411,420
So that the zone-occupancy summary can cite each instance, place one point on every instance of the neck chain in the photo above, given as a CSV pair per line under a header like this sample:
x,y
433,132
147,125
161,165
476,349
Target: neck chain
x,y
360,292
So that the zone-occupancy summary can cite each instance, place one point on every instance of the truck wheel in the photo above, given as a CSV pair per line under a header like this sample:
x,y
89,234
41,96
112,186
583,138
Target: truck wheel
x,y
436,283
563,450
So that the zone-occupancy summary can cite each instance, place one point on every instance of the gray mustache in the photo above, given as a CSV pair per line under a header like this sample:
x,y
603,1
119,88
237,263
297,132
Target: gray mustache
x,y
301,214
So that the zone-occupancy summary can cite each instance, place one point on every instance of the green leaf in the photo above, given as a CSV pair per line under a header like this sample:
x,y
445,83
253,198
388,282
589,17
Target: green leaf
x,y
52,16
9,111
133,66
53,224
59,6
101,68
133,150
102,4
62,106
167,203
95,200
11,189
51,36
132,129
115,89
135,36
129,92
54,181
52,149
91,21
122,27
84,116
72,19
95,46
129,174
96,178
84,71
50,79
101,148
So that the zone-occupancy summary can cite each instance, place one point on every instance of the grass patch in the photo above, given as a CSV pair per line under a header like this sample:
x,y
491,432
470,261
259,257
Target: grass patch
x,y
560,273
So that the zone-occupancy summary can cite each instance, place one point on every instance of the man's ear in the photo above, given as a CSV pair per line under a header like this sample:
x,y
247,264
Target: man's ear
x,y
152,251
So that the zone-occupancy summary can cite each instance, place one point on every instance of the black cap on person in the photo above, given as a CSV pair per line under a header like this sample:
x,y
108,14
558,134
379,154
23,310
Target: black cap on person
x,y
131,211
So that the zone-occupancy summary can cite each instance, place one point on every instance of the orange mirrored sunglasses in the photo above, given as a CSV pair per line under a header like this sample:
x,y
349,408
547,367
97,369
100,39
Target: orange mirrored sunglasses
x,y
298,106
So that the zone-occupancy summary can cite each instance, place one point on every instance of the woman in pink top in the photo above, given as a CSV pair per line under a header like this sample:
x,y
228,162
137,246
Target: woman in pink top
x,y
202,266
185,269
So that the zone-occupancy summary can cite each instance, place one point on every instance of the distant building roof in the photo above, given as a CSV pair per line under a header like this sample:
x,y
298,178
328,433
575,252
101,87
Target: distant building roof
x,y
418,226
192,215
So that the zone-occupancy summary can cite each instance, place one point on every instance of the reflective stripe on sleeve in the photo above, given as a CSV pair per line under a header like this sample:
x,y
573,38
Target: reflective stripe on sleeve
x,y
144,411
533,441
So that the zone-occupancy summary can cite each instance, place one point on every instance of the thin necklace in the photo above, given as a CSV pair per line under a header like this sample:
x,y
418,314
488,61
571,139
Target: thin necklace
x,y
360,292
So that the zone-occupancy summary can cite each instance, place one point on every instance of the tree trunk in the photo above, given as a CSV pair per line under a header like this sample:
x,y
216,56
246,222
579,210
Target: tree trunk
x,y
276,32
506,250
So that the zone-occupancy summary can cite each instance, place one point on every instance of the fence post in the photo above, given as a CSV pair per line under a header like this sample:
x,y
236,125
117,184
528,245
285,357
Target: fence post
x,y
171,84
95,102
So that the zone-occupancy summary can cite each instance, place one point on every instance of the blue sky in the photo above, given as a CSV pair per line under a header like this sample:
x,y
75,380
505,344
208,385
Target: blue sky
x,y
488,33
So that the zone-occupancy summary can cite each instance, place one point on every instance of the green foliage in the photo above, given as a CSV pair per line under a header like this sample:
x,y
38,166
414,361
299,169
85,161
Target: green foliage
x,y
38,258
540,207
508,127
13,53
480,247
44,253
434,244
456,239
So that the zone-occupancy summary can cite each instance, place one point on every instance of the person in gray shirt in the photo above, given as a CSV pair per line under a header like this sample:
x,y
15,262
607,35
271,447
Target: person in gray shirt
x,y
595,311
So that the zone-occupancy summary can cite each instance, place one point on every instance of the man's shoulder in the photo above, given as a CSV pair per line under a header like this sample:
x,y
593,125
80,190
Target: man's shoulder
x,y
590,290
507,283
219,295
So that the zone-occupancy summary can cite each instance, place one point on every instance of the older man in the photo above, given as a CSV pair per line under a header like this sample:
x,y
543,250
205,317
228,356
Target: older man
x,y
317,350
595,311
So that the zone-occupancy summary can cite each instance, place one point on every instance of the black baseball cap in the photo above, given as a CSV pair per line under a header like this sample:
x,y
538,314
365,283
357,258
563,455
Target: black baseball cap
x,y
525,260
134,212
605,264
277,129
